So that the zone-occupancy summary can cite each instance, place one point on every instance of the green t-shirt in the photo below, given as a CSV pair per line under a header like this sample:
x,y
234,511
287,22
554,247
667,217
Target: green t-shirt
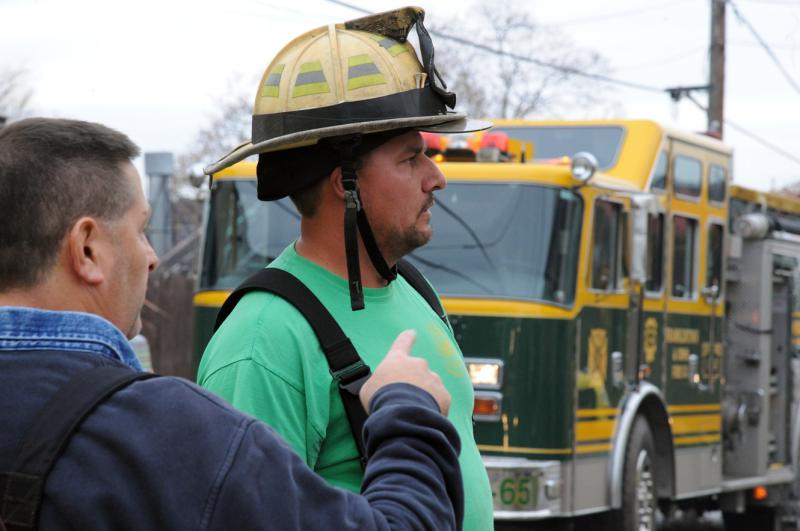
x,y
266,361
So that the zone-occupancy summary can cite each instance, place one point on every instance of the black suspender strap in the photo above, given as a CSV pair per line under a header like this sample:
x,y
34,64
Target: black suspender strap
x,y
46,439
418,282
346,366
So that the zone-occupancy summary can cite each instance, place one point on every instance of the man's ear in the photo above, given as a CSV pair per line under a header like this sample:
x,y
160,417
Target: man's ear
x,y
335,181
83,246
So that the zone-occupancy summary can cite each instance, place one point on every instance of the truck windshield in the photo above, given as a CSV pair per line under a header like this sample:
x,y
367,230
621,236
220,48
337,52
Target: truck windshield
x,y
516,241
553,142
243,234
504,240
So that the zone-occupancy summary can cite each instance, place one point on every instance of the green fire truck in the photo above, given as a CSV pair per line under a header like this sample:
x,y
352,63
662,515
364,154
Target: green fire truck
x,y
626,314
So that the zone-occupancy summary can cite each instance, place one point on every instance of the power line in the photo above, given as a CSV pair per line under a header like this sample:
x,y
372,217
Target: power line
x,y
761,141
351,6
545,64
764,45
749,134
302,14
617,14
666,60
524,59
792,3
735,126
787,47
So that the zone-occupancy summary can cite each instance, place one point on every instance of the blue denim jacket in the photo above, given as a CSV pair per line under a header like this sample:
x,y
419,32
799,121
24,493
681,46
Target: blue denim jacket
x,y
165,454
33,329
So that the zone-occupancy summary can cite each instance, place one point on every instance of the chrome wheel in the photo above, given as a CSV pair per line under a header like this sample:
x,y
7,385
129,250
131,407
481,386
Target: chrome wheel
x,y
645,492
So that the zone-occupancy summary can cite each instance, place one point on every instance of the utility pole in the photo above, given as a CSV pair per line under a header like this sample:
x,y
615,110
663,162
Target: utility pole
x,y
716,71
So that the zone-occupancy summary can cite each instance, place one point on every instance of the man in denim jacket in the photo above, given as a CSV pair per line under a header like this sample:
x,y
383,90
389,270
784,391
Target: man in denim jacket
x,y
162,453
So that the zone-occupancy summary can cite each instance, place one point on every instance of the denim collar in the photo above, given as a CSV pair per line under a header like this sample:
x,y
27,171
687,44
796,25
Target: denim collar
x,y
35,329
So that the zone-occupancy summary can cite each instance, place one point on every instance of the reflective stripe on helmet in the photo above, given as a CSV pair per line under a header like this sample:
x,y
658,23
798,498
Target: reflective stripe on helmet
x,y
311,80
390,45
273,82
362,72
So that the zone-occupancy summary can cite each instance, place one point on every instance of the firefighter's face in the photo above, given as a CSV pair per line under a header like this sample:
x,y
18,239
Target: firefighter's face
x,y
396,183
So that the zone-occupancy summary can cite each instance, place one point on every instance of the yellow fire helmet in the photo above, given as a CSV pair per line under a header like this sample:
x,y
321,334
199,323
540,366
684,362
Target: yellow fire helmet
x,y
356,77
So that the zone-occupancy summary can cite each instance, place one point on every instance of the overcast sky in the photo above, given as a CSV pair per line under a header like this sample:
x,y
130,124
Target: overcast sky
x,y
154,68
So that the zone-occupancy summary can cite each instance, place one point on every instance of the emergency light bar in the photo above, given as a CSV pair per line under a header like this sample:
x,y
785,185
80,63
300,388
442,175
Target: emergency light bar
x,y
476,147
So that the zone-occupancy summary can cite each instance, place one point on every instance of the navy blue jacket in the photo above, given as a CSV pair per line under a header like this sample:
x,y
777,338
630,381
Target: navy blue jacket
x,y
166,454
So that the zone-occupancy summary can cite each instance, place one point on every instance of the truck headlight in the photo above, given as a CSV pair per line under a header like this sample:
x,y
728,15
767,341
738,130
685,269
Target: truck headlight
x,y
584,164
485,373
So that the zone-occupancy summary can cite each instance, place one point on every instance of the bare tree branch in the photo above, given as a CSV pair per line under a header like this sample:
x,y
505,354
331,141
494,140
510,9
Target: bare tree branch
x,y
227,127
15,93
499,86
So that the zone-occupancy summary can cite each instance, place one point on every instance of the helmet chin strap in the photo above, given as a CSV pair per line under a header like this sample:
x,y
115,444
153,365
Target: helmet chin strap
x,y
355,221
375,256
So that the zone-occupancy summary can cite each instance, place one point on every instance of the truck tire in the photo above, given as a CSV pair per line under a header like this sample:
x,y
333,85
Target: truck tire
x,y
639,502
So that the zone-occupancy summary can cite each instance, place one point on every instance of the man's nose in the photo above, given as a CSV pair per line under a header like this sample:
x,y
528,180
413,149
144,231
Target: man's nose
x,y
152,258
435,179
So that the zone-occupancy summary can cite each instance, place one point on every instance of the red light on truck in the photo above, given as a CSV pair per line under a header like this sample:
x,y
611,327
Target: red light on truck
x,y
495,140
486,406
433,142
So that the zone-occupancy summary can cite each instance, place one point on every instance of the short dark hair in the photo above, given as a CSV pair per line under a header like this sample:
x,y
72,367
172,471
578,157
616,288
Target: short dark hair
x,y
307,199
53,172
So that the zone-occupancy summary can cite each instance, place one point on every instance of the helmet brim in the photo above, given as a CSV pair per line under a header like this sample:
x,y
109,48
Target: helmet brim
x,y
451,122
464,125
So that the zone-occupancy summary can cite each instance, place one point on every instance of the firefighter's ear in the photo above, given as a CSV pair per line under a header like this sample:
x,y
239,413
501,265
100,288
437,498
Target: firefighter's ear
x,y
85,248
335,181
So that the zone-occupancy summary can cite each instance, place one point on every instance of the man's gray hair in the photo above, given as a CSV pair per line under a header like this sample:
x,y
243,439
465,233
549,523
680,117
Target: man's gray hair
x,y
52,173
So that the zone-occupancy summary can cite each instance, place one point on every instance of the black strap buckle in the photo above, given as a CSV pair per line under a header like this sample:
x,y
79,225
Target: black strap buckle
x,y
352,377
351,199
